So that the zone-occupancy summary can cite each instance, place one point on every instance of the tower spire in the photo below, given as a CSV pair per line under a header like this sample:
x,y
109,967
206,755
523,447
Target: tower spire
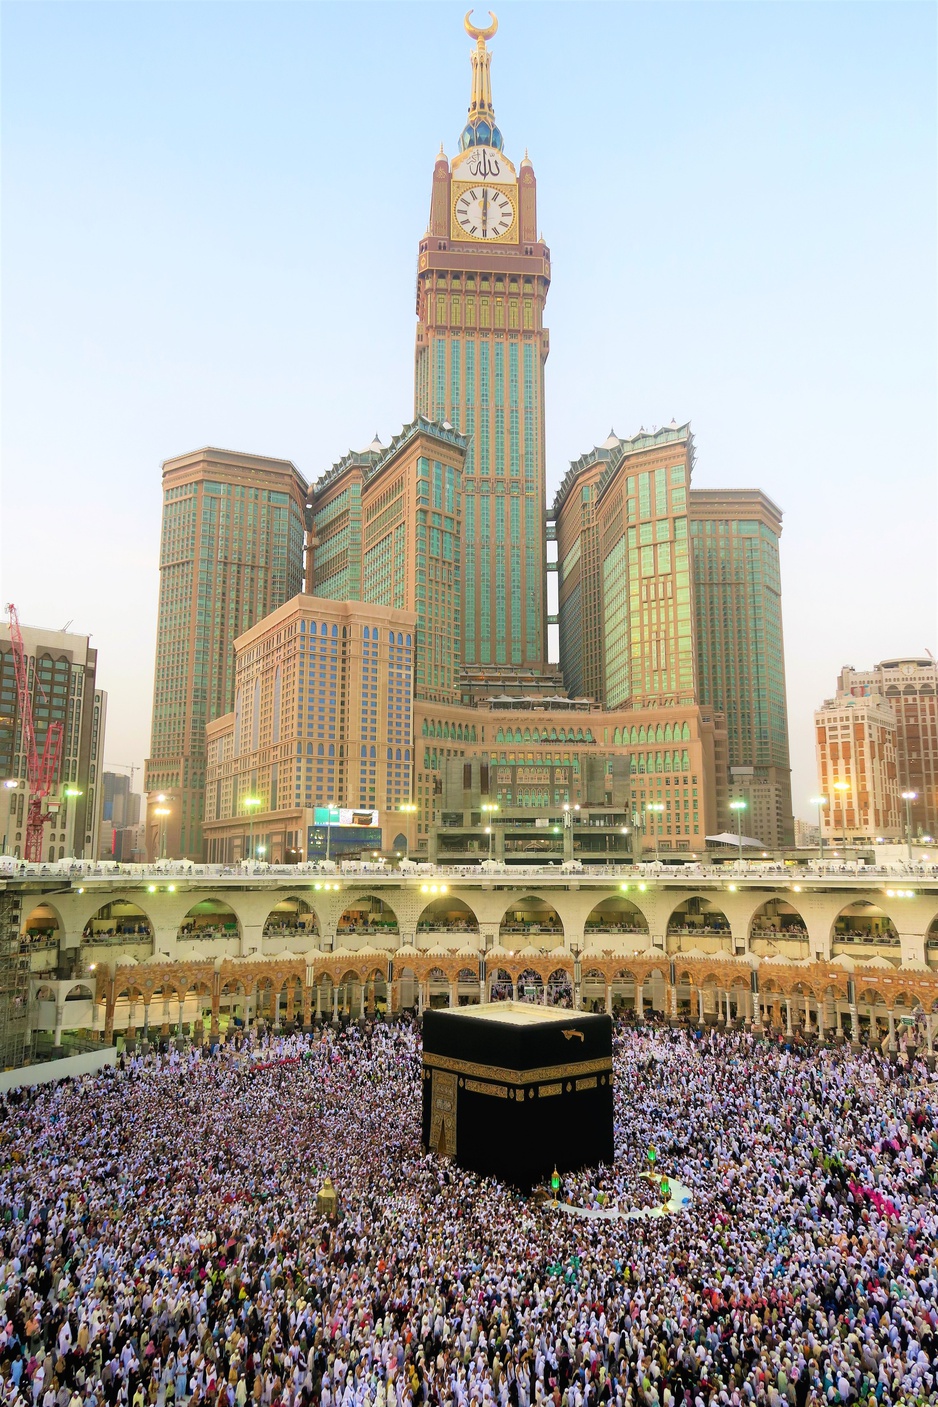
x,y
480,129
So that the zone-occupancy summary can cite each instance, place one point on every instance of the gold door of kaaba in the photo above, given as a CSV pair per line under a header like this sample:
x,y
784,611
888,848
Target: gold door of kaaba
x,y
443,1113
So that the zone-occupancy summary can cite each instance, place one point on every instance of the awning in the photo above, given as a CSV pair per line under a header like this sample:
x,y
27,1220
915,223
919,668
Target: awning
x,y
727,838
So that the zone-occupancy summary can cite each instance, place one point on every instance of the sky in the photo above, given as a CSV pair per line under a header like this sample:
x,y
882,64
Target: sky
x,y
209,229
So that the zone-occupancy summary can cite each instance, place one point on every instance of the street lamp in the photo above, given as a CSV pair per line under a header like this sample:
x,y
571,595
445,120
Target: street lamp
x,y
250,803
162,812
821,803
489,807
908,797
843,788
739,807
659,807
409,808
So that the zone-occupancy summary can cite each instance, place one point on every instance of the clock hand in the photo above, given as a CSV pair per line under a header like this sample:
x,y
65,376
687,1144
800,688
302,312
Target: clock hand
x,y
485,210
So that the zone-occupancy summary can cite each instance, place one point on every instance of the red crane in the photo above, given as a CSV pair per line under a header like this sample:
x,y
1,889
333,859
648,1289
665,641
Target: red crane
x,y
41,769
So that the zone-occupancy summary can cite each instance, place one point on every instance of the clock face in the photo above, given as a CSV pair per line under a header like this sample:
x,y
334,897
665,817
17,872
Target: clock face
x,y
484,212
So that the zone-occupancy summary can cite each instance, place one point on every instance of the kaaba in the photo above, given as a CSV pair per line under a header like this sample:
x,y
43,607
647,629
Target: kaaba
x,y
513,1090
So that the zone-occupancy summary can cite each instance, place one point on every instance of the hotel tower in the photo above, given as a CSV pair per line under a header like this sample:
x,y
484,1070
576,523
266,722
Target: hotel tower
x,y
482,283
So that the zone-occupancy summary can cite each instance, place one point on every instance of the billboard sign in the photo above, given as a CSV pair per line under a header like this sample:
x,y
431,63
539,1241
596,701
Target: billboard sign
x,y
344,816
342,841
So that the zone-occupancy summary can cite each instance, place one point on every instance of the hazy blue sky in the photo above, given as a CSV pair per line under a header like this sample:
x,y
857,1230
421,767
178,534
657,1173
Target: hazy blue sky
x,y
210,222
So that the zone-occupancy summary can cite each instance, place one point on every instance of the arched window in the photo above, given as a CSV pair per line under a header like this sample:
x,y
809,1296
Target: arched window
x,y
685,733
335,633
390,754
425,730
633,736
685,760
617,737
408,641
397,755
400,638
667,732
325,629
332,749
372,753
641,734
320,751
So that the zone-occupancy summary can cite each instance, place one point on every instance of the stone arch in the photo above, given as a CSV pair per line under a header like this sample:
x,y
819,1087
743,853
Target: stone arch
x,y
234,1002
615,914
368,914
437,987
861,921
292,917
349,992
119,920
468,989
375,984
559,987
43,924
697,916
777,926
530,986
448,913
500,984
210,918
527,917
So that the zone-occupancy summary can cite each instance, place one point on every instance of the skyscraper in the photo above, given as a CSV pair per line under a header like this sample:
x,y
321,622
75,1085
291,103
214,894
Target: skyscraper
x,y
386,527
734,536
231,551
909,686
856,761
482,283
61,668
626,605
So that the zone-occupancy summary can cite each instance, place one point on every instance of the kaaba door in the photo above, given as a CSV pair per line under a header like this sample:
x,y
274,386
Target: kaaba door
x,y
443,1113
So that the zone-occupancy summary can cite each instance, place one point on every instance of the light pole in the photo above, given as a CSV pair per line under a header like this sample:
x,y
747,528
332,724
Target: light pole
x,y
489,808
250,804
409,808
659,807
820,802
908,797
739,807
843,788
162,812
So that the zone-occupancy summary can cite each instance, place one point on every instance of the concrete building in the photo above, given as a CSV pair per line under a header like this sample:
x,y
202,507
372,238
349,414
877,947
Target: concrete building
x,y
676,760
231,552
323,717
387,529
734,536
481,345
62,671
857,774
910,688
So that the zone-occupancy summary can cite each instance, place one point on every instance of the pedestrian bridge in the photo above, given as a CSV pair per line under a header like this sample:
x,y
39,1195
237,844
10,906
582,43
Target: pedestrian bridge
x,y
181,947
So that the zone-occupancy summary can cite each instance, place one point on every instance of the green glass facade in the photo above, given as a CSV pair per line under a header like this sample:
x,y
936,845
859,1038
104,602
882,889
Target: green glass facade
x,y
231,551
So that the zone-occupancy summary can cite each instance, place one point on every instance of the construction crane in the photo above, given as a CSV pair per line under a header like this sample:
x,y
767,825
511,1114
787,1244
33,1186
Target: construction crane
x,y
41,769
132,768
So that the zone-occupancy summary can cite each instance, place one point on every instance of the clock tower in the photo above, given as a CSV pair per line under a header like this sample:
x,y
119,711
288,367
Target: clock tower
x,y
482,283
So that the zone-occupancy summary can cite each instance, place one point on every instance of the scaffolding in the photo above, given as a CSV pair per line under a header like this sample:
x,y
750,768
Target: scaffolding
x,y
14,983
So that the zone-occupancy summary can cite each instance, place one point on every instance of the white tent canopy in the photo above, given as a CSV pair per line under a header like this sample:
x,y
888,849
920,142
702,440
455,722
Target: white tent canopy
x,y
727,838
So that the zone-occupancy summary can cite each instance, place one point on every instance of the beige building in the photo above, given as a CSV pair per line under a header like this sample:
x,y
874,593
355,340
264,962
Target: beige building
x,y
676,759
857,776
61,668
231,551
387,529
910,688
323,716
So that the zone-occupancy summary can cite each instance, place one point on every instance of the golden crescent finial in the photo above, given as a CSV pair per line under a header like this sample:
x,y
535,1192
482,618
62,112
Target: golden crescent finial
x,y
480,33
